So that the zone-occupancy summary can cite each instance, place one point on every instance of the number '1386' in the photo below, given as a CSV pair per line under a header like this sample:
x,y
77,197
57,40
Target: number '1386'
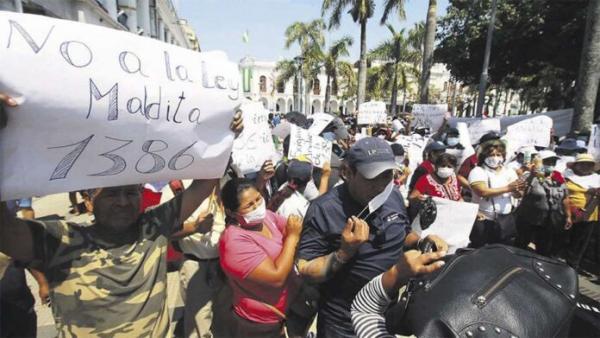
x,y
150,148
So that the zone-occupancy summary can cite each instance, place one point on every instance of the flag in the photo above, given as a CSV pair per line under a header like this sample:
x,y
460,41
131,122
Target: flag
x,y
246,37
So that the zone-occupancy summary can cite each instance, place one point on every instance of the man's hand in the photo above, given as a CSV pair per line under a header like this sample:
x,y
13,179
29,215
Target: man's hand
x,y
413,264
237,124
440,243
205,222
293,226
355,233
267,170
5,100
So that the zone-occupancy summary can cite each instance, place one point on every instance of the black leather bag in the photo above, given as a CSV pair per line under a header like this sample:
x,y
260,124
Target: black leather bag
x,y
495,291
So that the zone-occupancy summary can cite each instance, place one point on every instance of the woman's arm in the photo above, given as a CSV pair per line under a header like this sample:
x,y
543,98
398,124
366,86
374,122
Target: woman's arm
x,y
324,184
275,273
482,189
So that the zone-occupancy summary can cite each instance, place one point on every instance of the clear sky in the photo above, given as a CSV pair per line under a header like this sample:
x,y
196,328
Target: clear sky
x,y
220,24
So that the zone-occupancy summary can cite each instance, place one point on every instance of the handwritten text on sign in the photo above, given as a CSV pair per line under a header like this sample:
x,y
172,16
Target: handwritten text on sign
x,y
478,128
304,143
531,132
102,107
429,115
255,145
372,113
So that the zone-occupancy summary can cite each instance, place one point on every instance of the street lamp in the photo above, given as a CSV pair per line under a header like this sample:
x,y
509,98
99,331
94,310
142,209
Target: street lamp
x,y
486,61
299,60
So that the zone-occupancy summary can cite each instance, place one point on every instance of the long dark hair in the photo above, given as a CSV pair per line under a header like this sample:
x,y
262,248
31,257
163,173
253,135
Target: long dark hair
x,y
293,185
231,191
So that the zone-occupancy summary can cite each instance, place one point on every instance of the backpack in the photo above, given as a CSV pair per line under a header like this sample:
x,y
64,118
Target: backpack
x,y
542,205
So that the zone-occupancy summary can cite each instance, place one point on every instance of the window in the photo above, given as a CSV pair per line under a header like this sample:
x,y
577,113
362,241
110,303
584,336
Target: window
x,y
263,84
280,87
317,87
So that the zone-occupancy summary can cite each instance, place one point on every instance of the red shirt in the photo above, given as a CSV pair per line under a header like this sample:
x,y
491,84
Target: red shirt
x,y
427,185
468,165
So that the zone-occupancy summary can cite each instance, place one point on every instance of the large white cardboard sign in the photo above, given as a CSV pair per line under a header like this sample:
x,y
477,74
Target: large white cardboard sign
x,y
594,143
255,145
320,121
102,107
429,115
480,127
453,223
372,112
305,143
531,132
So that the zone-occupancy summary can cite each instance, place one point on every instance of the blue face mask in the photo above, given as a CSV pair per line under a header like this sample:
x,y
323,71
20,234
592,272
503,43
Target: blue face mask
x,y
329,136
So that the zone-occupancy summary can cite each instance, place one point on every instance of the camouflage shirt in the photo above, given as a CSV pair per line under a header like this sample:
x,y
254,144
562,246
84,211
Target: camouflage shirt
x,y
116,290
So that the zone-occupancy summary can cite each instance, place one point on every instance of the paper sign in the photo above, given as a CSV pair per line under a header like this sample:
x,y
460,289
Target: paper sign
x,y
453,223
373,112
103,107
594,143
320,121
305,143
480,127
429,115
531,132
255,145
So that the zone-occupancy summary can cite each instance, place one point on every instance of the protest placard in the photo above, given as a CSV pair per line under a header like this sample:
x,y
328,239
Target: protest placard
x,y
372,112
103,107
320,121
594,143
478,128
531,132
429,115
255,145
305,143
453,222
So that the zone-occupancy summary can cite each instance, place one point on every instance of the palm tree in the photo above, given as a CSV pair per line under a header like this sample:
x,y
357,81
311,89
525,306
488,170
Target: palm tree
x,y
430,27
310,38
332,64
361,11
398,51
287,70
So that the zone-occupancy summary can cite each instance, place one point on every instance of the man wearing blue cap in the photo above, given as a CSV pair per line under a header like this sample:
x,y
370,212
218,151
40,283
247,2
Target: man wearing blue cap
x,y
355,232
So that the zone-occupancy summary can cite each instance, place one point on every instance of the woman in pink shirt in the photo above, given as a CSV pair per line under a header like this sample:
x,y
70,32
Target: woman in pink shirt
x,y
257,253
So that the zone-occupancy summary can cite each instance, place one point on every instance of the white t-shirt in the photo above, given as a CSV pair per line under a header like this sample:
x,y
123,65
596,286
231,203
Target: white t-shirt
x,y
497,179
296,204
205,246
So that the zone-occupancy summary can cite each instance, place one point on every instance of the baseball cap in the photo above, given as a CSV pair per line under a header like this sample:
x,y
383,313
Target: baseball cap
x,y
569,144
435,146
453,131
492,135
397,149
371,156
299,169
546,154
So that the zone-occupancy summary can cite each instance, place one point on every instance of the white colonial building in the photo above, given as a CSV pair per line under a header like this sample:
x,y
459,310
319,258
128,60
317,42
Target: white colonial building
x,y
153,18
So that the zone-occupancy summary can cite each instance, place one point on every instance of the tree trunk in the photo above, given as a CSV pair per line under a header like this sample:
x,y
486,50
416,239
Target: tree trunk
x,y
362,66
589,70
394,100
430,27
307,103
327,95
404,99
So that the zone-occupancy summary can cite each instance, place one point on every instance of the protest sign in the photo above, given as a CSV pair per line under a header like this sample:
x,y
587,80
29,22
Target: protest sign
x,y
305,143
594,143
465,140
320,121
255,145
531,132
372,112
478,128
453,222
103,107
429,115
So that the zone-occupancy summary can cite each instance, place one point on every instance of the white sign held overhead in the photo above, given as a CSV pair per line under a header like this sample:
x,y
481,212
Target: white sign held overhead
x,y
320,121
373,112
453,223
480,127
255,145
102,107
531,132
429,115
594,143
305,143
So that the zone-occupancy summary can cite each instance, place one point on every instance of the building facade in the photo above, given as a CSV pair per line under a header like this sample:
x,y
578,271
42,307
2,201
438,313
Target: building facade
x,y
152,18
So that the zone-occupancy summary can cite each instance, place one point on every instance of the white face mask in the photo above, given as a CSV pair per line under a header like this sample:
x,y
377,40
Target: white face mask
x,y
452,141
445,172
254,217
494,161
377,201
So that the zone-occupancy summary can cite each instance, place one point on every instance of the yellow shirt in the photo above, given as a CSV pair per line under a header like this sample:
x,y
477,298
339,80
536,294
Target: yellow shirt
x,y
579,198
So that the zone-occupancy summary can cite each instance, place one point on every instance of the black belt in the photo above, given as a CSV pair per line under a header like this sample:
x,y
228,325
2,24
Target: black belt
x,y
196,259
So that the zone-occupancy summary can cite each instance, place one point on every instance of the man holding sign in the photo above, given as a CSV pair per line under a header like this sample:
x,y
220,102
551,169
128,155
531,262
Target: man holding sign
x,y
108,278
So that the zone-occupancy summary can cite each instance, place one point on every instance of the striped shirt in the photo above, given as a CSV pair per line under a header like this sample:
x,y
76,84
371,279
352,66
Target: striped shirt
x,y
368,308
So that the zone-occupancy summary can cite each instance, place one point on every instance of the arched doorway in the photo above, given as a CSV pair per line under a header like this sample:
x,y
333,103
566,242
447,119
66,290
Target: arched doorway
x,y
290,105
265,102
281,106
334,107
350,108
316,107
